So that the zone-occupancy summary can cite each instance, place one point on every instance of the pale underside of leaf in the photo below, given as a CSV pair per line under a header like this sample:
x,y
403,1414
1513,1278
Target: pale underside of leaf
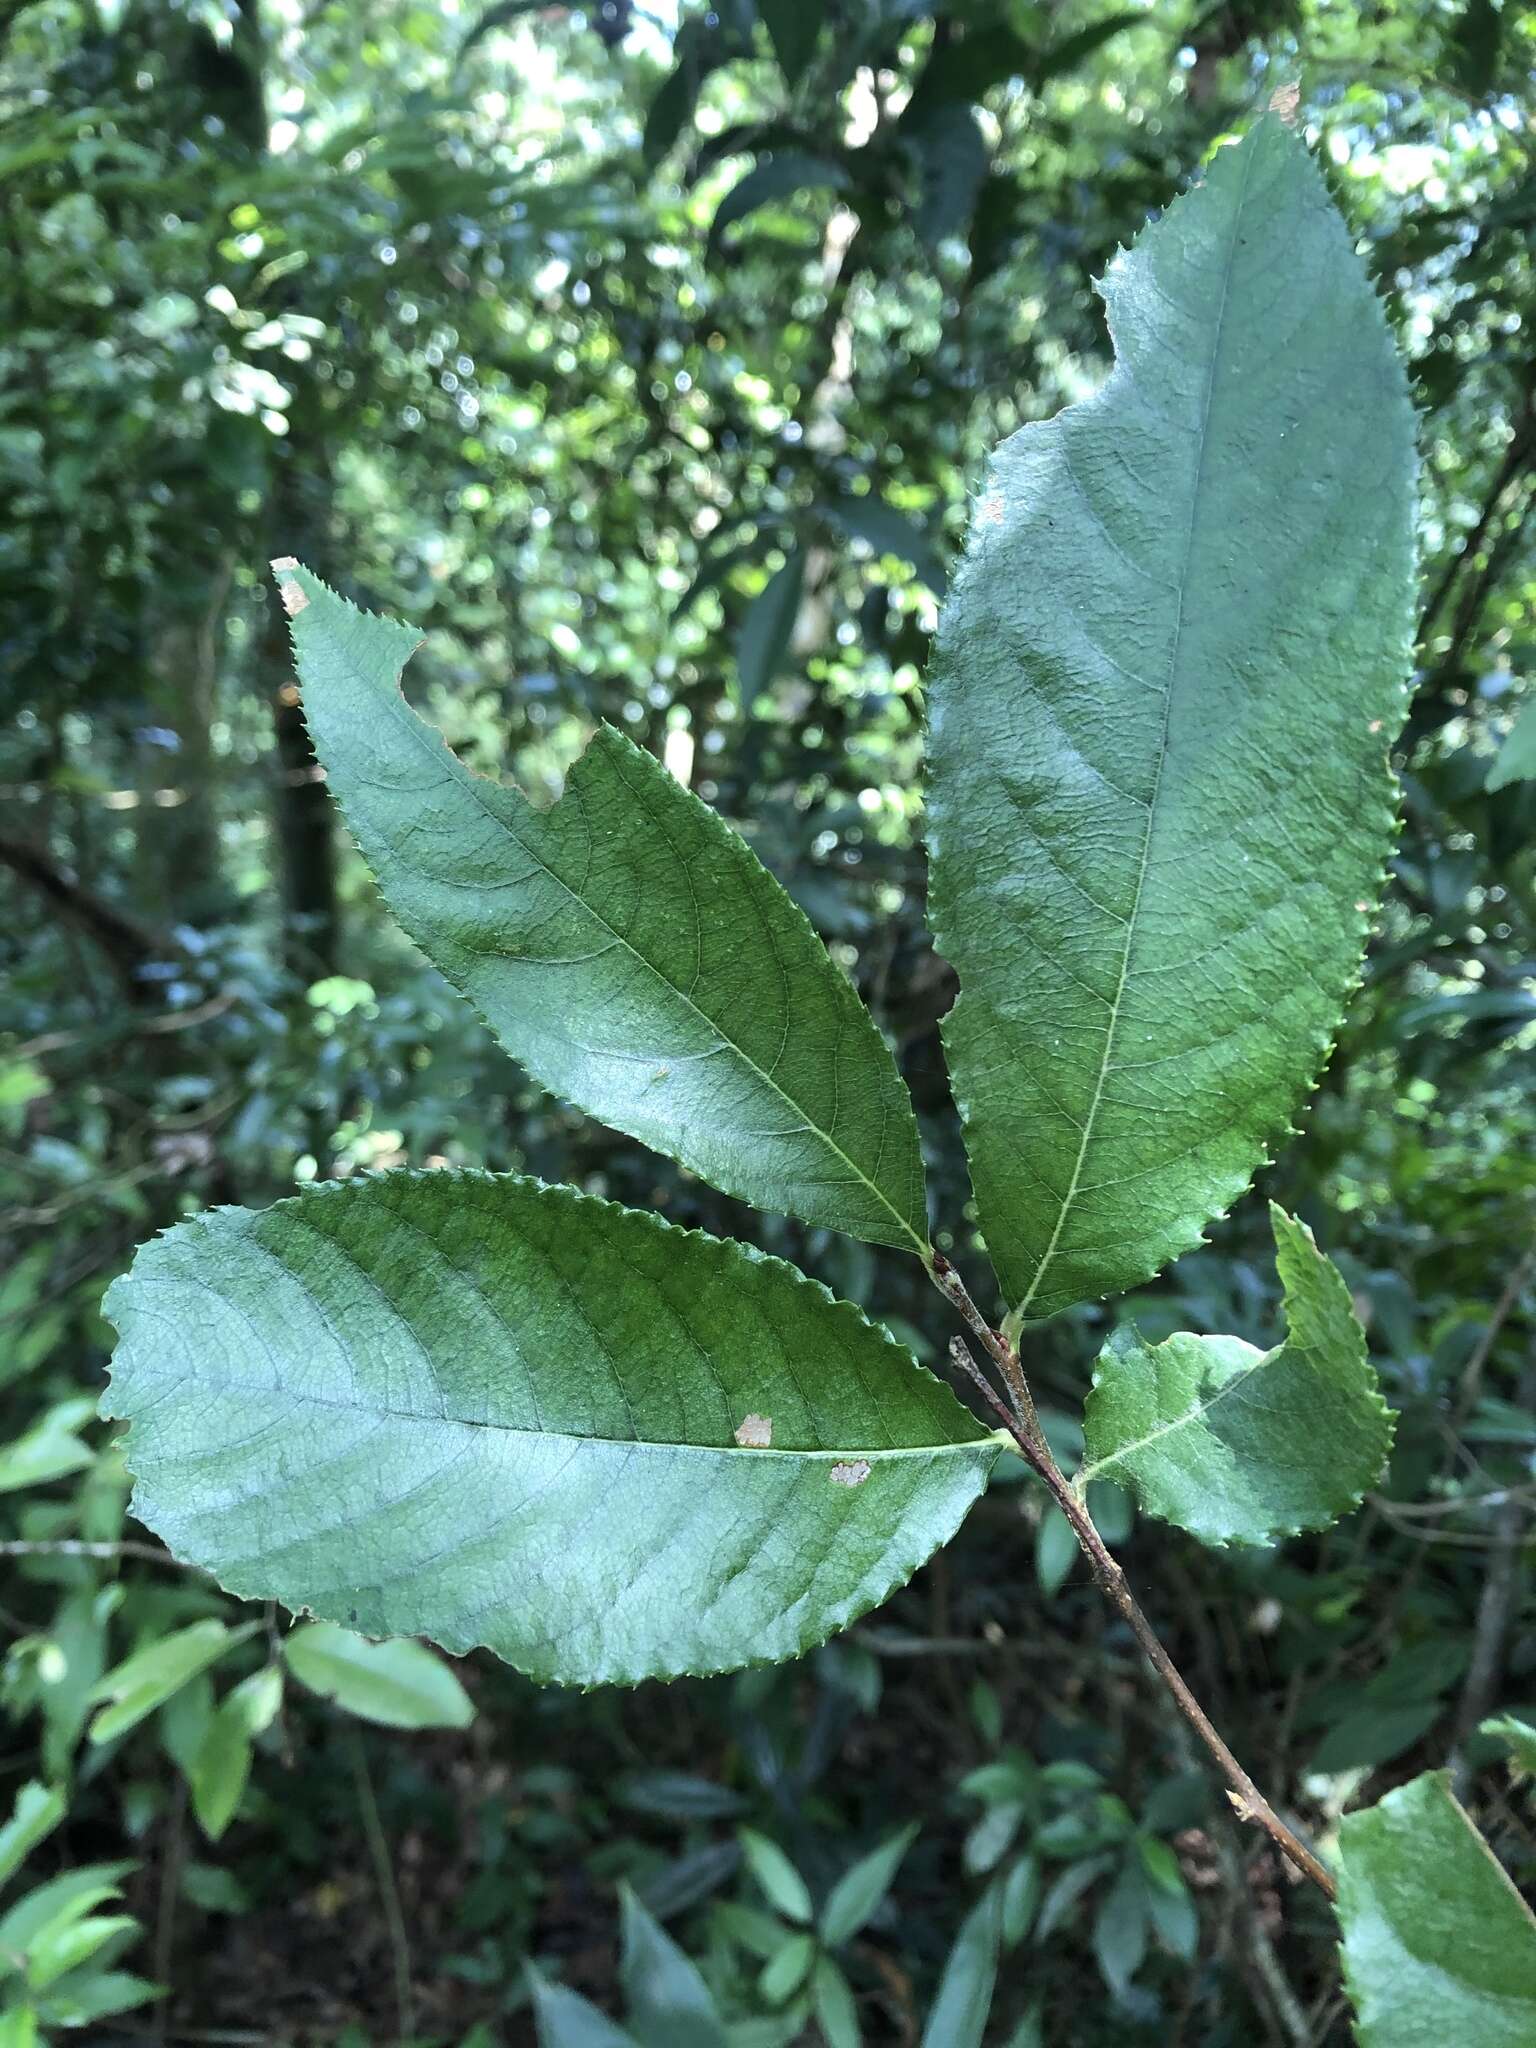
x,y
625,945
1439,1948
1164,688
490,1412
1239,1445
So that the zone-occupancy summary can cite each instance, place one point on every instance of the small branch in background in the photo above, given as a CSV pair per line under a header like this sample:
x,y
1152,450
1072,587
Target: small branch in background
x,y
68,1546
389,1893
1472,1374
1503,1584
128,945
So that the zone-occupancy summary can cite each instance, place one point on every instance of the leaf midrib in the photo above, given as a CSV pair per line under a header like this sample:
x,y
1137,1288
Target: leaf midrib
x,y
1198,1413
1085,1139
377,1410
423,737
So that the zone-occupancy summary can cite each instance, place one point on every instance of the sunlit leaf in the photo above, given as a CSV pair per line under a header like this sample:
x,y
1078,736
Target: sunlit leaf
x,y
1166,680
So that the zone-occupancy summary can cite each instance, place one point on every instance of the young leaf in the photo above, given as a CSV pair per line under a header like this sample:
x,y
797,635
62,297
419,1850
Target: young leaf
x,y
474,1408
1238,1445
36,1813
398,1684
1439,1947
855,1898
626,945
782,1885
1162,696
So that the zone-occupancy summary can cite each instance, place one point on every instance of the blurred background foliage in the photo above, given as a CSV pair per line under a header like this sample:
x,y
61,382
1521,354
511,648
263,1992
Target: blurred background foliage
x,y
647,357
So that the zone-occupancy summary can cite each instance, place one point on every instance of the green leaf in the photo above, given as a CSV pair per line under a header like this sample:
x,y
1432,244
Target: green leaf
x,y
49,1450
626,946
1516,758
399,1684
1164,686
1238,1445
782,1885
1120,1928
855,1898
669,2004
836,2013
1519,1736
58,1902
222,1766
474,1408
766,630
1439,1947
96,1996
154,1674
784,1973
777,175
36,1813
889,531
1020,1897
963,2002
64,1948
566,2020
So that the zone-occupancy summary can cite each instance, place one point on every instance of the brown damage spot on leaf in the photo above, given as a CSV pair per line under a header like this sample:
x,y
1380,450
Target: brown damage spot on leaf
x,y
293,598
754,1432
854,1473
990,511
1285,101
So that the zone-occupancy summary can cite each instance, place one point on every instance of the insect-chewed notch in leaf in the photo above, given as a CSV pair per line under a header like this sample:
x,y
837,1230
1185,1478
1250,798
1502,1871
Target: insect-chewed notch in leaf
x,y
626,945
1164,687
1239,1445
475,1408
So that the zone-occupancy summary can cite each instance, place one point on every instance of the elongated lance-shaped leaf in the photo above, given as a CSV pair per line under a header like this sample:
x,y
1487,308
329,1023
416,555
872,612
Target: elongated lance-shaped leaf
x,y
1164,689
1239,1445
491,1412
1439,1947
626,946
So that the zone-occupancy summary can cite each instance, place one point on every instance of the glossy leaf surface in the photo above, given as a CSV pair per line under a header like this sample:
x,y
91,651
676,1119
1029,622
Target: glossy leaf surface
x,y
491,1412
626,945
1439,1947
1239,1445
1164,688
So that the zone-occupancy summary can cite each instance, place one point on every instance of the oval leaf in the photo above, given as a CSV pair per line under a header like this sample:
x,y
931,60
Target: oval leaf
x,y
1439,1947
399,1684
474,1408
626,946
1239,1445
1161,701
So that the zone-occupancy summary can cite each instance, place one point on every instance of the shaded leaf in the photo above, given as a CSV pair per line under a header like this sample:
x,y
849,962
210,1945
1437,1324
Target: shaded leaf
x,y
763,641
487,1411
1516,758
156,1673
963,2002
1164,686
782,1885
33,1818
625,945
856,1897
668,2003
1239,1445
1438,1945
